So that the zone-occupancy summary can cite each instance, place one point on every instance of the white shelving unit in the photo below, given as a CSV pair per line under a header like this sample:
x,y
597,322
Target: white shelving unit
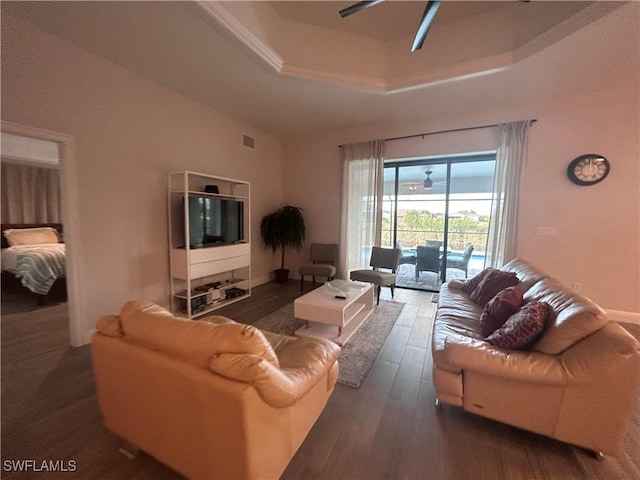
x,y
213,271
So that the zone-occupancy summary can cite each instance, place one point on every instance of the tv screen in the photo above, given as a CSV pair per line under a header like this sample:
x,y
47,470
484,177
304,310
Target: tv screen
x,y
215,221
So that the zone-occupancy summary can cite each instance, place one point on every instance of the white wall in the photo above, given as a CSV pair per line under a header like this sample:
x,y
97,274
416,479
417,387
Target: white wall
x,y
29,150
129,133
598,227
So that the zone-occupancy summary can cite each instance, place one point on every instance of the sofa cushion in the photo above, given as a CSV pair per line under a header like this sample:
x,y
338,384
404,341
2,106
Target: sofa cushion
x,y
493,282
195,341
522,328
573,316
498,310
527,273
470,285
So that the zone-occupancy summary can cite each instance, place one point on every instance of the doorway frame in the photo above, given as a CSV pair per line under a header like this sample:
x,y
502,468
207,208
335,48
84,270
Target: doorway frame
x,y
68,182
444,159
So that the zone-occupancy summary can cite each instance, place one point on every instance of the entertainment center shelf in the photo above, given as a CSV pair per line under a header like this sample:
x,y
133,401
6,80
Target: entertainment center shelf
x,y
209,232
213,195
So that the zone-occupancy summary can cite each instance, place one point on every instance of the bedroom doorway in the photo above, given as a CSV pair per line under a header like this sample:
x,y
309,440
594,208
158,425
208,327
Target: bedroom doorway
x,y
33,270
66,166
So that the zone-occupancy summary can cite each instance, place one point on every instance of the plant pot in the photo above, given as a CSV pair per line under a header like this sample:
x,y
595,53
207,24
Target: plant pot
x,y
281,275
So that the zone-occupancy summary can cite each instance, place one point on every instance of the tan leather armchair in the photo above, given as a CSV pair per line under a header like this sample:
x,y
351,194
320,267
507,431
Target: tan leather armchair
x,y
209,398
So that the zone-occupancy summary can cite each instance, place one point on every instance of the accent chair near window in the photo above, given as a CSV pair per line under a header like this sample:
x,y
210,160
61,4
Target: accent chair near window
x,y
386,258
324,257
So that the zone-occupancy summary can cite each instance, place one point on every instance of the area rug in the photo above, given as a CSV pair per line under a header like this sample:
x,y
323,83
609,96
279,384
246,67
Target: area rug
x,y
362,349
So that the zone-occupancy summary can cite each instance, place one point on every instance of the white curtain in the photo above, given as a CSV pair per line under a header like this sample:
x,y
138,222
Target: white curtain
x,y
510,159
361,208
30,194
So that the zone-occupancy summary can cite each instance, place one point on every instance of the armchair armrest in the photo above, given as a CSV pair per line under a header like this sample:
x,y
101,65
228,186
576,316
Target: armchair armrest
x,y
303,363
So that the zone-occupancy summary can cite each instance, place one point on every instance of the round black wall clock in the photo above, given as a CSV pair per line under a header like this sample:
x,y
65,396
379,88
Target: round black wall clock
x,y
588,169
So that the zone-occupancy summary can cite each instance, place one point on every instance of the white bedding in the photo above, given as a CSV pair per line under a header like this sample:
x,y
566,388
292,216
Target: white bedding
x,y
9,256
38,266
8,259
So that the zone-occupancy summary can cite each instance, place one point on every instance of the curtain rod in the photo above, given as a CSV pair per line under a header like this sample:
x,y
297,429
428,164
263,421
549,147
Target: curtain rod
x,y
445,131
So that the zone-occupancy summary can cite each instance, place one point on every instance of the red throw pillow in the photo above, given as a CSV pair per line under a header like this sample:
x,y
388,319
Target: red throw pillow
x,y
470,285
493,282
523,328
498,310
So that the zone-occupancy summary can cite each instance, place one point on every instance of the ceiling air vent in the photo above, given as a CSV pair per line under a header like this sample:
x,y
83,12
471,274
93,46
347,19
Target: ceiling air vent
x,y
249,142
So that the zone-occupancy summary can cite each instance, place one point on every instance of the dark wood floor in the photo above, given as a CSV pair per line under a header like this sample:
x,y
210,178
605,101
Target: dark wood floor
x,y
388,428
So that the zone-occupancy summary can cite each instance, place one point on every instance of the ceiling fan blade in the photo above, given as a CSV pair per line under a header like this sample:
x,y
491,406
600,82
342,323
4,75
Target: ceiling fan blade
x,y
427,17
356,7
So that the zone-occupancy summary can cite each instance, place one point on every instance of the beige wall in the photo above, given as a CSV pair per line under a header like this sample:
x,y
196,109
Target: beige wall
x,y
598,228
129,133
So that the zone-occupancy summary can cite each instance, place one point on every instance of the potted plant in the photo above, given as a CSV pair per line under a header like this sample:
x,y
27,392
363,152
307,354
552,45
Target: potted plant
x,y
283,229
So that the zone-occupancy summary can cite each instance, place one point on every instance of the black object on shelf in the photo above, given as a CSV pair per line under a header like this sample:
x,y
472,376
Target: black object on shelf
x,y
211,189
234,292
197,305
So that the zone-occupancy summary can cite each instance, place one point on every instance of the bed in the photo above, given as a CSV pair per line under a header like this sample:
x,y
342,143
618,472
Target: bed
x,y
33,255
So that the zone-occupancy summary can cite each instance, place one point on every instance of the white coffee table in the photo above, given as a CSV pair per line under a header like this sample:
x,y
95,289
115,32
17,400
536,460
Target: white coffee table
x,y
333,318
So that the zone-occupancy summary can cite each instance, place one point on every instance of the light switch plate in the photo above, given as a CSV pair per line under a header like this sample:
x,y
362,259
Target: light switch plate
x,y
545,231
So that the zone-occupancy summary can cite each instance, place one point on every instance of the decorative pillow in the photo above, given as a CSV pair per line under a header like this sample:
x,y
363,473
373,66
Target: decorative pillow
x,y
470,285
498,310
493,282
523,328
31,236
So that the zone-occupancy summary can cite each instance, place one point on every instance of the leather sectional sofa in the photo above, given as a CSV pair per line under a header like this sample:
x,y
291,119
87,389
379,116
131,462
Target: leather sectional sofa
x,y
577,383
210,398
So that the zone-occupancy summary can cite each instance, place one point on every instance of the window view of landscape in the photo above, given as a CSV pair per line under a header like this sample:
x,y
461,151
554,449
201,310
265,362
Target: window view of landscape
x,y
422,214
420,220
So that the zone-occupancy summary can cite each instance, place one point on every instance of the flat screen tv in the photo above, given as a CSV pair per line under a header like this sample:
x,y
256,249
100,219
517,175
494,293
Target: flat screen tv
x,y
215,221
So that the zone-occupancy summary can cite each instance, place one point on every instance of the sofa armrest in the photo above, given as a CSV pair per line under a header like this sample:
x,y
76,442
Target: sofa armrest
x,y
306,362
456,284
599,353
585,361
479,356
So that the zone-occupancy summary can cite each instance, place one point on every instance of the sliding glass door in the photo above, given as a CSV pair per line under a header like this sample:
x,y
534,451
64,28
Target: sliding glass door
x,y
437,211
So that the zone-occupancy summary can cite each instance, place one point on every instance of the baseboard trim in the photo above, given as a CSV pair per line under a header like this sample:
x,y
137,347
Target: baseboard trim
x,y
622,316
256,281
86,337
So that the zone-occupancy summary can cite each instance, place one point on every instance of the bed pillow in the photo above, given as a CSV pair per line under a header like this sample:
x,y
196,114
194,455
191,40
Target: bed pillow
x,y
523,328
498,310
493,282
470,285
30,236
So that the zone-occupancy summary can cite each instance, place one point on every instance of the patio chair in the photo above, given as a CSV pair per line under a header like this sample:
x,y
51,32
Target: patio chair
x,y
387,258
408,255
463,263
427,260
